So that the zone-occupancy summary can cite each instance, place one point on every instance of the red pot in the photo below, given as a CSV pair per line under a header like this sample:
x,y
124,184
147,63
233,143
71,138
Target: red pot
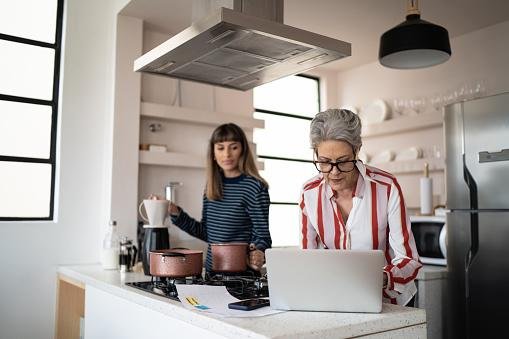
x,y
176,263
229,257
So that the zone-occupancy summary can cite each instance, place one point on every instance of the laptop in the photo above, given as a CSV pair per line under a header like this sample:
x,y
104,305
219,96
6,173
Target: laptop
x,y
325,280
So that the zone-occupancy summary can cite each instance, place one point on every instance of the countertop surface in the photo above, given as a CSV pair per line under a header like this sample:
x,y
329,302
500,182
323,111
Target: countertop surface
x,y
282,325
430,272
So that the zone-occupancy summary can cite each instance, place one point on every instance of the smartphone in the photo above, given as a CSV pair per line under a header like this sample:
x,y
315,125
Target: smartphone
x,y
249,304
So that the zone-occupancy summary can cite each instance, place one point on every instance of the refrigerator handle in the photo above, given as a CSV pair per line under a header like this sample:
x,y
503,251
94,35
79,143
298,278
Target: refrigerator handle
x,y
474,239
474,218
503,155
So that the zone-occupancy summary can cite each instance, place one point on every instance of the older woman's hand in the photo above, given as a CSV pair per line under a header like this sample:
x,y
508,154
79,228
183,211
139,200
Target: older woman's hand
x,y
256,258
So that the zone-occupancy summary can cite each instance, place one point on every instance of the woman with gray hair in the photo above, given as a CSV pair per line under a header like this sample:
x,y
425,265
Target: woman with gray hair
x,y
350,205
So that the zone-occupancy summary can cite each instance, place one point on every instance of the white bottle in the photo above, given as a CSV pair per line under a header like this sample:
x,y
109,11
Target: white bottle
x,y
111,248
426,192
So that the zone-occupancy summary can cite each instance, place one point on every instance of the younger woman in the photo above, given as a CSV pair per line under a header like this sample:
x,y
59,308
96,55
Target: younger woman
x,y
236,200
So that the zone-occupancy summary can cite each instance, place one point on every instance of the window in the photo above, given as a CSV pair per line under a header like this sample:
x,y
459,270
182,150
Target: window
x,y
30,45
287,107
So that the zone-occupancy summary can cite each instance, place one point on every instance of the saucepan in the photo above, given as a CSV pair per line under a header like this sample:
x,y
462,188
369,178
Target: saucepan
x,y
176,263
229,257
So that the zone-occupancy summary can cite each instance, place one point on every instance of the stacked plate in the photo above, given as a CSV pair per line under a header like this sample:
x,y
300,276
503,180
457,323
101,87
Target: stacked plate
x,y
375,112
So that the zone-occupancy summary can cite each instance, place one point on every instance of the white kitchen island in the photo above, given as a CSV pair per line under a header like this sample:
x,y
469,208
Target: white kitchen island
x,y
114,310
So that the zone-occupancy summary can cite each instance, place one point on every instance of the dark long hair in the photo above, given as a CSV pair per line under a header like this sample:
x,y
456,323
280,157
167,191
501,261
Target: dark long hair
x,y
228,132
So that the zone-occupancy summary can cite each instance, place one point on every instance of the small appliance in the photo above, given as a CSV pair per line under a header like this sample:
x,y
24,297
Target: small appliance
x,y
155,235
430,234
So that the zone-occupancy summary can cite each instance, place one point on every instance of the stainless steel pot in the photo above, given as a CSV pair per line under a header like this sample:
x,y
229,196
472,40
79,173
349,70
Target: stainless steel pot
x,y
229,257
176,263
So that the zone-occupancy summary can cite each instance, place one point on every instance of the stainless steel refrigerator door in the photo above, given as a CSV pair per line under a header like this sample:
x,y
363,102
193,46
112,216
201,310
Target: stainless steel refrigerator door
x,y
479,129
486,124
482,307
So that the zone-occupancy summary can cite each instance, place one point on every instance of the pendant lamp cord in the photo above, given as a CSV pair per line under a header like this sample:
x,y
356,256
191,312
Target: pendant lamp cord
x,y
412,7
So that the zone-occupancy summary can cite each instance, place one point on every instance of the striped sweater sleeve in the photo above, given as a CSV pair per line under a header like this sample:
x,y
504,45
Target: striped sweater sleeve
x,y
258,211
405,264
195,228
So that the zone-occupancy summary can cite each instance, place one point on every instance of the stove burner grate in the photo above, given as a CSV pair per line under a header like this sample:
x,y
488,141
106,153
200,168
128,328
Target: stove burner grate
x,y
241,287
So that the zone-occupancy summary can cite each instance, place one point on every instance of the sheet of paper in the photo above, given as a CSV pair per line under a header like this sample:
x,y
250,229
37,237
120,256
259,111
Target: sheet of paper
x,y
215,299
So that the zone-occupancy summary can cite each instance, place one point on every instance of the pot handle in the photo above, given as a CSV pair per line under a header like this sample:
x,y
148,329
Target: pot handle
x,y
173,254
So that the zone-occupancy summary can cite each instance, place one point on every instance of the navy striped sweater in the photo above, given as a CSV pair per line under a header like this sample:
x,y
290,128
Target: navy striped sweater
x,y
242,215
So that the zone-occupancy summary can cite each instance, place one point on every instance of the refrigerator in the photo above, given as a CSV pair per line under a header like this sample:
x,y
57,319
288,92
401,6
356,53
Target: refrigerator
x,y
477,188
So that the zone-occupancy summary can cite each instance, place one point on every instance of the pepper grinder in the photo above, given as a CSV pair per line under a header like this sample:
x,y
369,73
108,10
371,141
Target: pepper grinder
x,y
171,191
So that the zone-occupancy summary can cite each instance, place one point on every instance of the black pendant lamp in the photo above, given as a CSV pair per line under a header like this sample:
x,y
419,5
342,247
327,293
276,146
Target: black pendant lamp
x,y
414,43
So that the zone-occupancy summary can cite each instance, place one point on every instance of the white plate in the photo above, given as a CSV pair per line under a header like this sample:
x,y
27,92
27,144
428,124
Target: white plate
x,y
375,112
384,156
410,153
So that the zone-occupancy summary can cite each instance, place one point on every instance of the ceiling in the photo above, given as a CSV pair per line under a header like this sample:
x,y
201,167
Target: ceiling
x,y
360,22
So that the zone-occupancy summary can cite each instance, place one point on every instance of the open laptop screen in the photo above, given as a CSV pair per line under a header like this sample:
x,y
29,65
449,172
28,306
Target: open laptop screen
x,y
325,280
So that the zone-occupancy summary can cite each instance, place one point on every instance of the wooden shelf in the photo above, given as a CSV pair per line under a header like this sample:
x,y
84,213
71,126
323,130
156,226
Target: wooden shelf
x,y
175,159
403,124
411,166
196,116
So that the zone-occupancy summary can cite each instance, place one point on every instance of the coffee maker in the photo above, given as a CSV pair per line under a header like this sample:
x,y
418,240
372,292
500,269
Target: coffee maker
x,y
154,235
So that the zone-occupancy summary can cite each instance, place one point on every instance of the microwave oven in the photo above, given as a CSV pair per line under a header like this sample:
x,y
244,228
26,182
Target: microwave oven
x,y
430,233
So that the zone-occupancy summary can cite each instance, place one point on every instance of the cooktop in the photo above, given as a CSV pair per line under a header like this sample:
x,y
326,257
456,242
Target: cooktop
x,y
239,286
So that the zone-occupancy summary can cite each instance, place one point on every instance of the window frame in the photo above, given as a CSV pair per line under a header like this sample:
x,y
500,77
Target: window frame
x,y
292,116
57,47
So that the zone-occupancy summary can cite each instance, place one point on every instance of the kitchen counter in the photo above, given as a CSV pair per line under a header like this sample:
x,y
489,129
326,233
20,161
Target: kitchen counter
x,y
430,272
431,291
114,310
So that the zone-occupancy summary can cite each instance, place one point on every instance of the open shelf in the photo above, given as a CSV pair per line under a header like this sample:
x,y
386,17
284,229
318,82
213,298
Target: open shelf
x,y
171,159
411,166
175,159
196,116
403,124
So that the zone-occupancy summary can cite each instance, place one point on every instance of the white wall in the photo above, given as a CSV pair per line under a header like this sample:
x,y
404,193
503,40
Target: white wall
x,y
480,55
328,87
30,252
124,186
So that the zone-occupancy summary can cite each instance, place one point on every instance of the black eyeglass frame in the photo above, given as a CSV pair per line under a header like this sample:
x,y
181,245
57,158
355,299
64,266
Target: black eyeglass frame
x,y
334,164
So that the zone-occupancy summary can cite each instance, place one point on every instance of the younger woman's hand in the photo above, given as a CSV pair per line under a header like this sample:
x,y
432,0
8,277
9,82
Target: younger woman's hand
x,y
256,258
173,209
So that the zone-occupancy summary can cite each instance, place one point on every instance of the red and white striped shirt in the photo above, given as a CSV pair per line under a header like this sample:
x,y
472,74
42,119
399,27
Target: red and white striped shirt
x,y
378,220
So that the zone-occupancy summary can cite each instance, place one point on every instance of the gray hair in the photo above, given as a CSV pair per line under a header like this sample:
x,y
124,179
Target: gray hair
x,y
336,124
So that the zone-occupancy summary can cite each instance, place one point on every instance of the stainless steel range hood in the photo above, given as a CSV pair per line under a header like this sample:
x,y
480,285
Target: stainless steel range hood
x,y
236,50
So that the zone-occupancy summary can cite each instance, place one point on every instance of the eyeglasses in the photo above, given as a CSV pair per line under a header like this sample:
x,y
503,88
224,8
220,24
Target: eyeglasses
x,y
342,166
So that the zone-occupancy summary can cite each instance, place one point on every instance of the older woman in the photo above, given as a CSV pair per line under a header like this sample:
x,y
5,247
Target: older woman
x,y
349,205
